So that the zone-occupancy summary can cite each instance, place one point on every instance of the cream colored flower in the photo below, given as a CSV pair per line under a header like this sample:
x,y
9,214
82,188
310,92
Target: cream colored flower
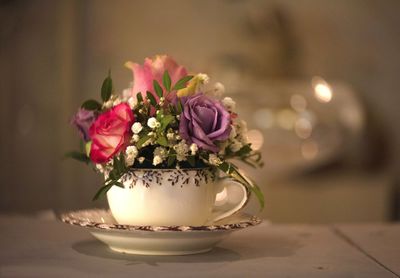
x,y
137,127
213,159
152,122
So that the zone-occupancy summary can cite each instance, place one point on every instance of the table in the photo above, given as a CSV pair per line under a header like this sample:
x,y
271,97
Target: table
x,y
32,247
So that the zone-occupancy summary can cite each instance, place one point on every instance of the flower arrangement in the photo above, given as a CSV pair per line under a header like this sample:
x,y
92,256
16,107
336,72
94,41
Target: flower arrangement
x,y
167,119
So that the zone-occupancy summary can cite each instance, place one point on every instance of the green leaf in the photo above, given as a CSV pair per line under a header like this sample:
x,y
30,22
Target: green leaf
x,y
244,150
139,98
167,81
106,88
232,171
179,107
78,156
151,98
142,140
102,191
88,147
182,82
165,121
191,160
162,141
157,88
91,104
171,160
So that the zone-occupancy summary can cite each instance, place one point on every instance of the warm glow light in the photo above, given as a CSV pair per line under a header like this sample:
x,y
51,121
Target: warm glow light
x,y
322,90
264,118
255,138
286,118
298,103
303,128
309,150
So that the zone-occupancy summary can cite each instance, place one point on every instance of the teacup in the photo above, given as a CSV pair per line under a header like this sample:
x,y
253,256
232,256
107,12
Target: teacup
x,y
169,197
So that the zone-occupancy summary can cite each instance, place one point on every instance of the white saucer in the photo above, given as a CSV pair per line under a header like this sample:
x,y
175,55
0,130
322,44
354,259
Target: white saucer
x,y
156,240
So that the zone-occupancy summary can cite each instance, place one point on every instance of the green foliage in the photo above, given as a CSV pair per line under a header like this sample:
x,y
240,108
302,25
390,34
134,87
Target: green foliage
x,y
167,81
119,169
92,105
151,98
157,88
107,88
182,82
80,156
232,171
139,98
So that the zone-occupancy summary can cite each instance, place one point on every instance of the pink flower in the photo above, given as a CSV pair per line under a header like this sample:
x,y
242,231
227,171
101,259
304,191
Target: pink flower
x,y
110,132
153,69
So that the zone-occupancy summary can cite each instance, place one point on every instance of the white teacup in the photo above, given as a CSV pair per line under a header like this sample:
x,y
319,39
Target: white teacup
x,y
167,197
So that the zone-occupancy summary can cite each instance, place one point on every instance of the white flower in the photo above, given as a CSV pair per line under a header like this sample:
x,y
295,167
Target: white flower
x,y
141,159
236,146
108,104
229,103
193,148
132,101
170,136
100,168
181,150
203,78
135,137
131,153
161,152
157,160
116,101
126,94
137,127
213,159
233,133
219,89
152,122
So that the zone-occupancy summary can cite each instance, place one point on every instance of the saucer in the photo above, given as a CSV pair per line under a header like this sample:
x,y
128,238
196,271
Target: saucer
x,y
156,240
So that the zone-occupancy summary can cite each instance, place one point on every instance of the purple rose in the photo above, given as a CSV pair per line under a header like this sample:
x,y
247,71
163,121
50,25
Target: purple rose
x,y
204,121
82,120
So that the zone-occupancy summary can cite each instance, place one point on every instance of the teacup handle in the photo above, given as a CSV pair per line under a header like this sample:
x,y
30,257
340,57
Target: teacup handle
x,y
232,197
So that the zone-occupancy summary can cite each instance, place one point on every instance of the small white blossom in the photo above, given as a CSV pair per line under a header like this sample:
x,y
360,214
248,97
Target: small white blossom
x,y
141,159
233,133
152,122
137,127
131,154
132,101
181,150
219,89
203,78
229,103
161,152
108,104
157,160
135,137
193,149
116,101
213,159
236,146
126,94
170,136
100,168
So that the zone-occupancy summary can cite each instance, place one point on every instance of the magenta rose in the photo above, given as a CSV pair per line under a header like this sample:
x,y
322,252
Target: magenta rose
x,y
204,121
110,132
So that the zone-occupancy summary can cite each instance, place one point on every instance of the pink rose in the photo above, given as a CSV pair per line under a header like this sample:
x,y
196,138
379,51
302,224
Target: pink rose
x,y
110,132
153,69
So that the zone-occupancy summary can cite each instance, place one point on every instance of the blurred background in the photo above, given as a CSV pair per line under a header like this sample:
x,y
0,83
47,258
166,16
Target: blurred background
x,y
316,80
